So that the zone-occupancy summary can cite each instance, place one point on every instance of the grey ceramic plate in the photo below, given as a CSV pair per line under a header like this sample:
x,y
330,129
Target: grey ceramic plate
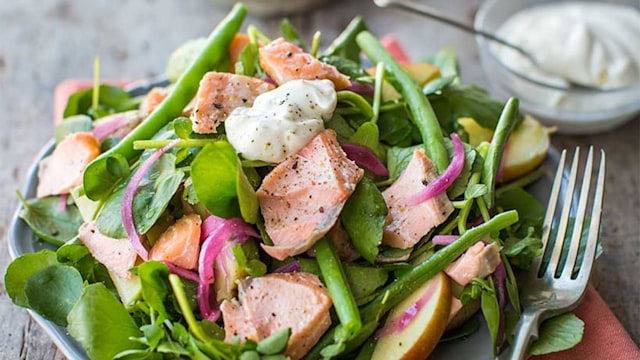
x,y
22,240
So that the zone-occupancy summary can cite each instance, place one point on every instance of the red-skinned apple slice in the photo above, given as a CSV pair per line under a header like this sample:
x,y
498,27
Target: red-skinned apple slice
x,y
414,326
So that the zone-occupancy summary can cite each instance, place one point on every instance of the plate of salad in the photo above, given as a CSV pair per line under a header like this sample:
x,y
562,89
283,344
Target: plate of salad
x,y
272,200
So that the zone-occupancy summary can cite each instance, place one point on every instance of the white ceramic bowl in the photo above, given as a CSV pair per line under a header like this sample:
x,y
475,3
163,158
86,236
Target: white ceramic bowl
x,y
574,110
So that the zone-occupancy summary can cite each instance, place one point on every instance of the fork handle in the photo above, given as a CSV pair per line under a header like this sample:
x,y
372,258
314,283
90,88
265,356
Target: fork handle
x,y
526,331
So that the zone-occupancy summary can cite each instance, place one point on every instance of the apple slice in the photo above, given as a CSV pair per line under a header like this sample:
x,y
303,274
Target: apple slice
x,y
414,326
526,148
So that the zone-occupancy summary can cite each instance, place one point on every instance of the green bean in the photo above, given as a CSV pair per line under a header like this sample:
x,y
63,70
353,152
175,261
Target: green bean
x,y
419,106
505,124
344,44
98,181
410,280
336,282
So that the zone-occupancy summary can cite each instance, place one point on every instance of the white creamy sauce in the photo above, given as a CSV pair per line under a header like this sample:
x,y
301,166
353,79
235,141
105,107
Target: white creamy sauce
x,y
281,121
588,43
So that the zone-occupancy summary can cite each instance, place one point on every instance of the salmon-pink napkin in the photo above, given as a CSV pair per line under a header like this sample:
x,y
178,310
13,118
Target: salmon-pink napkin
x,y
604,336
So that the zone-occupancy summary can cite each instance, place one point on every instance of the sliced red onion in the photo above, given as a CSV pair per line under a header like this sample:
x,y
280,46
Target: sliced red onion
x,y
444,239
207,303
398,324
109,127
217,232
62,205
269,80
127,200
361,88
182,272
442,183
364,157
293,266
500,280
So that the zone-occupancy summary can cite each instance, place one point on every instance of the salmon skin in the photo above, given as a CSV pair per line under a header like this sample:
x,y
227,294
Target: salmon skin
x,y
302,197
218,94
284,61
277,301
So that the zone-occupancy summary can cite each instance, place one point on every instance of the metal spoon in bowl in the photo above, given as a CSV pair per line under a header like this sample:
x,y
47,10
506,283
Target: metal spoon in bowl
x,y
428,11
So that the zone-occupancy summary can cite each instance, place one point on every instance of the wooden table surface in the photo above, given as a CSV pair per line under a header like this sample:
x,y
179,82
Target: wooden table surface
x,y
44,42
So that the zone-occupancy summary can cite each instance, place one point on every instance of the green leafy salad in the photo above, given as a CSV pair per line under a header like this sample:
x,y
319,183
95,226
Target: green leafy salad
x,y
276,200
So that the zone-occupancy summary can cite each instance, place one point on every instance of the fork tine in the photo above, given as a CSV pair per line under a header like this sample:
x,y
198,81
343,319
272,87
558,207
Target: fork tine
x,y
551,207
576,235
594,229
564,219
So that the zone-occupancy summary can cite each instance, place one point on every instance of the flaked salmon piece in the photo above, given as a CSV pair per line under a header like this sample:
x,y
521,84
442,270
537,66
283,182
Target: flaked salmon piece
x,y
301,198
406,224
238,43
117,255
284,61
155,97
220,93
277,301
180,243
61,171
478,261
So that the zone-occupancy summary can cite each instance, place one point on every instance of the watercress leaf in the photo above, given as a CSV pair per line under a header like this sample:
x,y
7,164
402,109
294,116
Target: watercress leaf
x,y
396,127
53,291
247,63
217,164
472,101
155,288
348,67
491,311
275,343
475,191
111,99
78,256
153,333
368,135
250,355
101,324
364,280
558,333
182,127
48,222
72,124
290,33
528,207
342,128
21,269
363,218
247,198
156,190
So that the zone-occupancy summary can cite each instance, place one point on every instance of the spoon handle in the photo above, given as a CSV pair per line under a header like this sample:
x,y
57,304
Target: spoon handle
x,y
435,14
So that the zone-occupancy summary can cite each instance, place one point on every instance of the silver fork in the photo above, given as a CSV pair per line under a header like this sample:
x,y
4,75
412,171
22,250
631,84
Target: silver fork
x,y
558,284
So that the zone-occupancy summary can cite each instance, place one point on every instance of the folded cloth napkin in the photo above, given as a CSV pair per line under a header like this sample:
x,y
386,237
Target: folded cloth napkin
x,y
604,337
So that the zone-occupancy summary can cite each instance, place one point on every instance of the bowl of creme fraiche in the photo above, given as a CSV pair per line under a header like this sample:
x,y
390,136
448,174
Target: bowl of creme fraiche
x,y
590,43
